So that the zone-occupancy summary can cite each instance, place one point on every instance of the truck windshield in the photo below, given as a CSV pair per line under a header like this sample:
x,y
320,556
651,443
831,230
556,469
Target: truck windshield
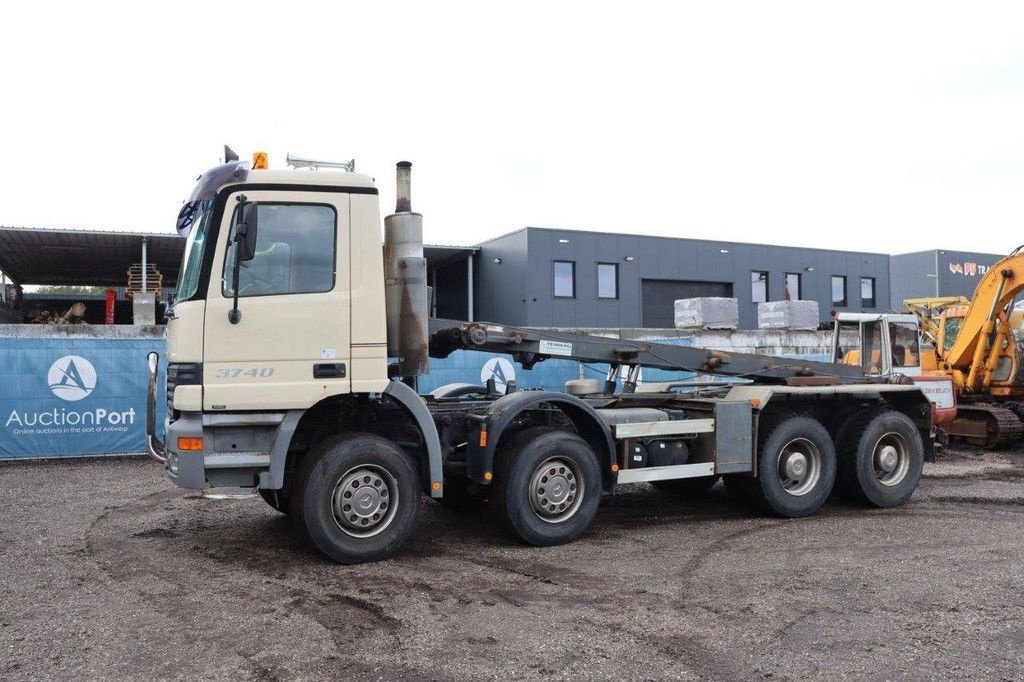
x,y
192,261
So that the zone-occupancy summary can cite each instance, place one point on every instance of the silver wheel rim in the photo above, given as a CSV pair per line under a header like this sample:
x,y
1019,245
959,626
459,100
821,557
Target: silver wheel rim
x,y
365,500
890,459
799,466
556,489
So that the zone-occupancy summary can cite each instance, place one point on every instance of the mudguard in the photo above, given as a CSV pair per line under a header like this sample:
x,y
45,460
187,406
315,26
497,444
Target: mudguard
x,y
503,412
417,409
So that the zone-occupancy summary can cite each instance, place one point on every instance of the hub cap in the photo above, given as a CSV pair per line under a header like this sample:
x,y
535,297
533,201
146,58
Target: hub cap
x,y
799,466
556,489
365,500
891,459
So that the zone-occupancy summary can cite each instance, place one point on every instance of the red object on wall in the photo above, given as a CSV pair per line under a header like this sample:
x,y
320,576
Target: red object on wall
x,y
111,298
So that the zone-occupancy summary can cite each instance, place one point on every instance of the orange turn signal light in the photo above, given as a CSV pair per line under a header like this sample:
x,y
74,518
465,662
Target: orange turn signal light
x,y
615,468
483,438
488,475
755,402
436,485
190,444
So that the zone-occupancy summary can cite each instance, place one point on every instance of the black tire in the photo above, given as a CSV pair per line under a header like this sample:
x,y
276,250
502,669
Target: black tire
x,y
276,499
781,488
375,471
864,476
522,501
687,487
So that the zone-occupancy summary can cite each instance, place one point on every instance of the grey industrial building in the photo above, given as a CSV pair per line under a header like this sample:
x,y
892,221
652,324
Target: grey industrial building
x,y
547,277
567,278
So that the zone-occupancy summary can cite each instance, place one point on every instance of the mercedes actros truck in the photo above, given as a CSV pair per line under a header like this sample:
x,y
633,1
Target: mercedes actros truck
x,y
297,335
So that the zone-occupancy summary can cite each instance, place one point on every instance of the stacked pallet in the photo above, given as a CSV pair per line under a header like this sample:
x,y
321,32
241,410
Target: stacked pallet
x,y
154,281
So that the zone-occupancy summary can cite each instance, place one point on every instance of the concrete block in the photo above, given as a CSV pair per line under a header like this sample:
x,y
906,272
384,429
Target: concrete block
x,y
707,313
787,315
143,308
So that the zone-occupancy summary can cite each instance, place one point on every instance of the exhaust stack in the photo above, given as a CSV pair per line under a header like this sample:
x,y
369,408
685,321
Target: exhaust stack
x,y
405,282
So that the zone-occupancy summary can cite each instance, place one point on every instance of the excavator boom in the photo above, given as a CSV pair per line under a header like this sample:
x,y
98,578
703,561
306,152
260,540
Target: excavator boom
x,y
992,298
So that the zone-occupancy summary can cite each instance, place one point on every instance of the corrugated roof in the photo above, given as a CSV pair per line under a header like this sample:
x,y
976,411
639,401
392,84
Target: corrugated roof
x,y
84,257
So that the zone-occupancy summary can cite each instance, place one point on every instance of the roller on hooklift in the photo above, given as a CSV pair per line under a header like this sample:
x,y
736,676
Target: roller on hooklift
x,y
293,349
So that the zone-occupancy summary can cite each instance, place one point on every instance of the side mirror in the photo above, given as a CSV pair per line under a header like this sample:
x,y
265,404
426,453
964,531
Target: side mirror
x,y
245,231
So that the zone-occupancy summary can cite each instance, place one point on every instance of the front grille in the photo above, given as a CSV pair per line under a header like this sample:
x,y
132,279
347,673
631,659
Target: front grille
x,y
182,374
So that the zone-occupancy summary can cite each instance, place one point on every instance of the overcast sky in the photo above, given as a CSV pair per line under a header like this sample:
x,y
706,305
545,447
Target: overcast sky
x,y
872,126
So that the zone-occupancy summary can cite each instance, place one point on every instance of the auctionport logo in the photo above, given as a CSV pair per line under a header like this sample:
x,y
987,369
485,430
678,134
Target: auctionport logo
x,y
71,378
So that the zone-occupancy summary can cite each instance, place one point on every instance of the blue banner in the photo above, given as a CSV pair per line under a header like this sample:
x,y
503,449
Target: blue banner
x,y
75,396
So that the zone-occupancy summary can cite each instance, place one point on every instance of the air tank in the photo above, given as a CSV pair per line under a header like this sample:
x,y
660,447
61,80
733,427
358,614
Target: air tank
x,y
405,281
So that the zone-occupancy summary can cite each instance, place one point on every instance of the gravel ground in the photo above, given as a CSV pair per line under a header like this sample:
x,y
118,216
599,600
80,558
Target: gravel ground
x,y
110,572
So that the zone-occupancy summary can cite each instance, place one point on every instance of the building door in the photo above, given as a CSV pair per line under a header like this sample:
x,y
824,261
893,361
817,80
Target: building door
x,y
658,298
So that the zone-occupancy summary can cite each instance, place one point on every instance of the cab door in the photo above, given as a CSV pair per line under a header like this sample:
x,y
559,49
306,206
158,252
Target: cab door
x,y
291,344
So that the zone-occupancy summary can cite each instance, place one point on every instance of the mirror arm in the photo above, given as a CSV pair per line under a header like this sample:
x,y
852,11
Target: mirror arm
x,y
235,315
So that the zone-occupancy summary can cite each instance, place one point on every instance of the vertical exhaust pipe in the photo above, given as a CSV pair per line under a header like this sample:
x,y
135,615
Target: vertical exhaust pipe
x,y
405,282
403,187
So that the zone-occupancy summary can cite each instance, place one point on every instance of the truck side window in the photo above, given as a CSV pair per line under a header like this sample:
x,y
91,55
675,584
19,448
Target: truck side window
x,y
295,254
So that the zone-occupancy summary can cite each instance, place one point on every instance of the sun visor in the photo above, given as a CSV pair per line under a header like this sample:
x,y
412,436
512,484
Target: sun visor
x,y
209,182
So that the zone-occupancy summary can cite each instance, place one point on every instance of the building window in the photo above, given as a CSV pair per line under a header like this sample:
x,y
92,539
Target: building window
x,y
867,292
838,290
759,286
565,279
294,252
607,280
792,286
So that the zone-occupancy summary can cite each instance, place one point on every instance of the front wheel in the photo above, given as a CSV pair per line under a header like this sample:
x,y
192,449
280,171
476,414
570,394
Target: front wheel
x,y
548,487
357,498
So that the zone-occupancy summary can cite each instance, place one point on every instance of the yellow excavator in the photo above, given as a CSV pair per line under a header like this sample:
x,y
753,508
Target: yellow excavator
x,y
978,345
974,344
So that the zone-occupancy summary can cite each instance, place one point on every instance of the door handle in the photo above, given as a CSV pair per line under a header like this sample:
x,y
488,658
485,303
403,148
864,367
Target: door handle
x,y
329,370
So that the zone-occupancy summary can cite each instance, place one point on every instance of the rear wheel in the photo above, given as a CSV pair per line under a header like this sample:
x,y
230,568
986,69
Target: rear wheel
x,y
881,456
356,498
796,468
548,487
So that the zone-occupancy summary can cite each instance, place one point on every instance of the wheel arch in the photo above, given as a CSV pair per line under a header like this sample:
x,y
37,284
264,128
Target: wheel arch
x,y
337,414
500,423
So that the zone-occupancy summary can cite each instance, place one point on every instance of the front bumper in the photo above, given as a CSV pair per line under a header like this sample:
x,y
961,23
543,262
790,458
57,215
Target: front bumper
x,y
237,458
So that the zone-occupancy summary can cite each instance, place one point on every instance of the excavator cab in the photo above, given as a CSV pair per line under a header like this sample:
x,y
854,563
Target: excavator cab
x,y
881,345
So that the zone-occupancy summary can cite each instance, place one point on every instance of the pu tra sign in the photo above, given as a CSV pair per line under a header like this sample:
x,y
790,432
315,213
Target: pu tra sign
x,y
968,269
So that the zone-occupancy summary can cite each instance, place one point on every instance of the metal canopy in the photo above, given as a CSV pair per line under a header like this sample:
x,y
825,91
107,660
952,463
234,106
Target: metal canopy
x,y
84,257
438,255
